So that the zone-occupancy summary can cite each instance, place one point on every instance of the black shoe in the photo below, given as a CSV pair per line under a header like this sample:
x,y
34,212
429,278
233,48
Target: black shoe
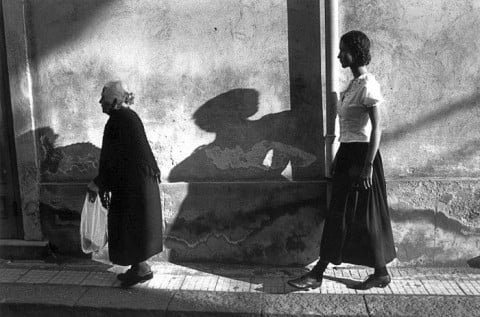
x,y
374,281
123,276
132,279
307,281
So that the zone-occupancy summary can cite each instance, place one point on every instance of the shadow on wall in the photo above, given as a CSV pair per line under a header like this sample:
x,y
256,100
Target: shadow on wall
x,y
52,26
458,153
447,111
62,22
76,162
458,156
226,216
63,174
243,149
241,205
457,160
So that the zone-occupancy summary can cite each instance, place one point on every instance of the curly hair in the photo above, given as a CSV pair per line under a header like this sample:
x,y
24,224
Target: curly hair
x,y
129,98
359,46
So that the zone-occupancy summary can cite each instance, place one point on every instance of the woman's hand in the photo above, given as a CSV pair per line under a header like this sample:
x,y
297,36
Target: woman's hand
x,y
366,175
105,199
92,190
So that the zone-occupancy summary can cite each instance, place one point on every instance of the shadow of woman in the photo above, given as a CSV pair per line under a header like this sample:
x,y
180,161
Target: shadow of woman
x,y
241,206
243,150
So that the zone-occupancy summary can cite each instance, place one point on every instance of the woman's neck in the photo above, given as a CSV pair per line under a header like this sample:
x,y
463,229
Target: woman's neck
x,y
119,107
116,108
358,70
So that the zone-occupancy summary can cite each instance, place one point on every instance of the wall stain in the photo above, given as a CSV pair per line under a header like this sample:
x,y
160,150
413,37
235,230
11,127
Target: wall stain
x,y
440,220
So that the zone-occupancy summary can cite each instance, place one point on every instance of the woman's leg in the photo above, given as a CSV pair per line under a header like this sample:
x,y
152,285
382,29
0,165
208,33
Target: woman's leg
x,y
319,268
380,271
143,268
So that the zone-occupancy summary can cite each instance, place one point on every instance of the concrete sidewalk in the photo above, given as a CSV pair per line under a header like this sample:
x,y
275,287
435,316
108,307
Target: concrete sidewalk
x,y
87,288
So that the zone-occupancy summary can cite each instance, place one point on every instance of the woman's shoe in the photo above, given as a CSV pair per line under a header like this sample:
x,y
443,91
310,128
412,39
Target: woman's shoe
x,y
132,279
374,281
123,276
306,281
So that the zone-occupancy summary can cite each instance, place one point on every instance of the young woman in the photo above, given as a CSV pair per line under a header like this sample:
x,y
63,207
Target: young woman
x,y
357,227
128,173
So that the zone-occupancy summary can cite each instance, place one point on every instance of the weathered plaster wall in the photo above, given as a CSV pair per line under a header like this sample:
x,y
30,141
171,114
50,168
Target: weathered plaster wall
x,y
278,223
425,55
228,92
177,57
230,100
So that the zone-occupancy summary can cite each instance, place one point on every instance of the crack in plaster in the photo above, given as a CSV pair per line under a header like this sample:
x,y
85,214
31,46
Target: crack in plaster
x,y
205,239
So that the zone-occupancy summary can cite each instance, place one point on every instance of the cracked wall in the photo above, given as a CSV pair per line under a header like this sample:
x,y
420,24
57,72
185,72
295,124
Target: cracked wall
x,y
238,143
230,99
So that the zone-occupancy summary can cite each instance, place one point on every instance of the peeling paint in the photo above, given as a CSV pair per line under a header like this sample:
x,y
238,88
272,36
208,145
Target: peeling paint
x,y
216,216
437,224
255,157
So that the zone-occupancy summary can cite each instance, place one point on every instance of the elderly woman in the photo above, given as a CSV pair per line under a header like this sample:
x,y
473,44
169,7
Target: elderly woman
x,y
127,183
357,227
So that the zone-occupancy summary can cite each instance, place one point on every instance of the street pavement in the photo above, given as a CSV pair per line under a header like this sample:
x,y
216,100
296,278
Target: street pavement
x,y
76,287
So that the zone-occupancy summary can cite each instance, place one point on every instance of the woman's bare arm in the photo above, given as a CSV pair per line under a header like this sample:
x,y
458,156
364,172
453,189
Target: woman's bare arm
x,y
375,136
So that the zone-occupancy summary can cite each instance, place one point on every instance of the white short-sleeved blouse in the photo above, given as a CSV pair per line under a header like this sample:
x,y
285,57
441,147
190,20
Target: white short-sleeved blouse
x,y
362,92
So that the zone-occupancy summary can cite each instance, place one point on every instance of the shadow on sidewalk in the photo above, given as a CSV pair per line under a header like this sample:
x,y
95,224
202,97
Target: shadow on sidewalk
x,y
347,282
264,279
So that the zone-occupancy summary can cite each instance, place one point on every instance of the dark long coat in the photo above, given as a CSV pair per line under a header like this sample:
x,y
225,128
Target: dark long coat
x,y
129,171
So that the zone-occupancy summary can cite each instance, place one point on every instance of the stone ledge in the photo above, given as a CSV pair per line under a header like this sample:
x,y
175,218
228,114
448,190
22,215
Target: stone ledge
x,y
23,250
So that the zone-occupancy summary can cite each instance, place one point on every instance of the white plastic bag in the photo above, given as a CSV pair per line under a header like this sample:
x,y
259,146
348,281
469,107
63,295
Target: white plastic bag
x,y
93,226
102,256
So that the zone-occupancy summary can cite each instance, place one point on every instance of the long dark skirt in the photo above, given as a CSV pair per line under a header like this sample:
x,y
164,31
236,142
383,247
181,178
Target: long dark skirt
x,y
357,228
135,218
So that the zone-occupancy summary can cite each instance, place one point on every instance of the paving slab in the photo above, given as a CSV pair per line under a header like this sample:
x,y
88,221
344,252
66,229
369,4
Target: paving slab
x,y
408,287
11,275
197,283
469,287
274,285
191,303
423,306
37,276
294,304
65,295
225,284
38,310
135,298
100,279
38,300
166,282
69,277
439,287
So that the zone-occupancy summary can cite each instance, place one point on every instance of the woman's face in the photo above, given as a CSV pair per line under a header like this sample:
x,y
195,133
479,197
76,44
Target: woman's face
x,y
107,105
345,57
